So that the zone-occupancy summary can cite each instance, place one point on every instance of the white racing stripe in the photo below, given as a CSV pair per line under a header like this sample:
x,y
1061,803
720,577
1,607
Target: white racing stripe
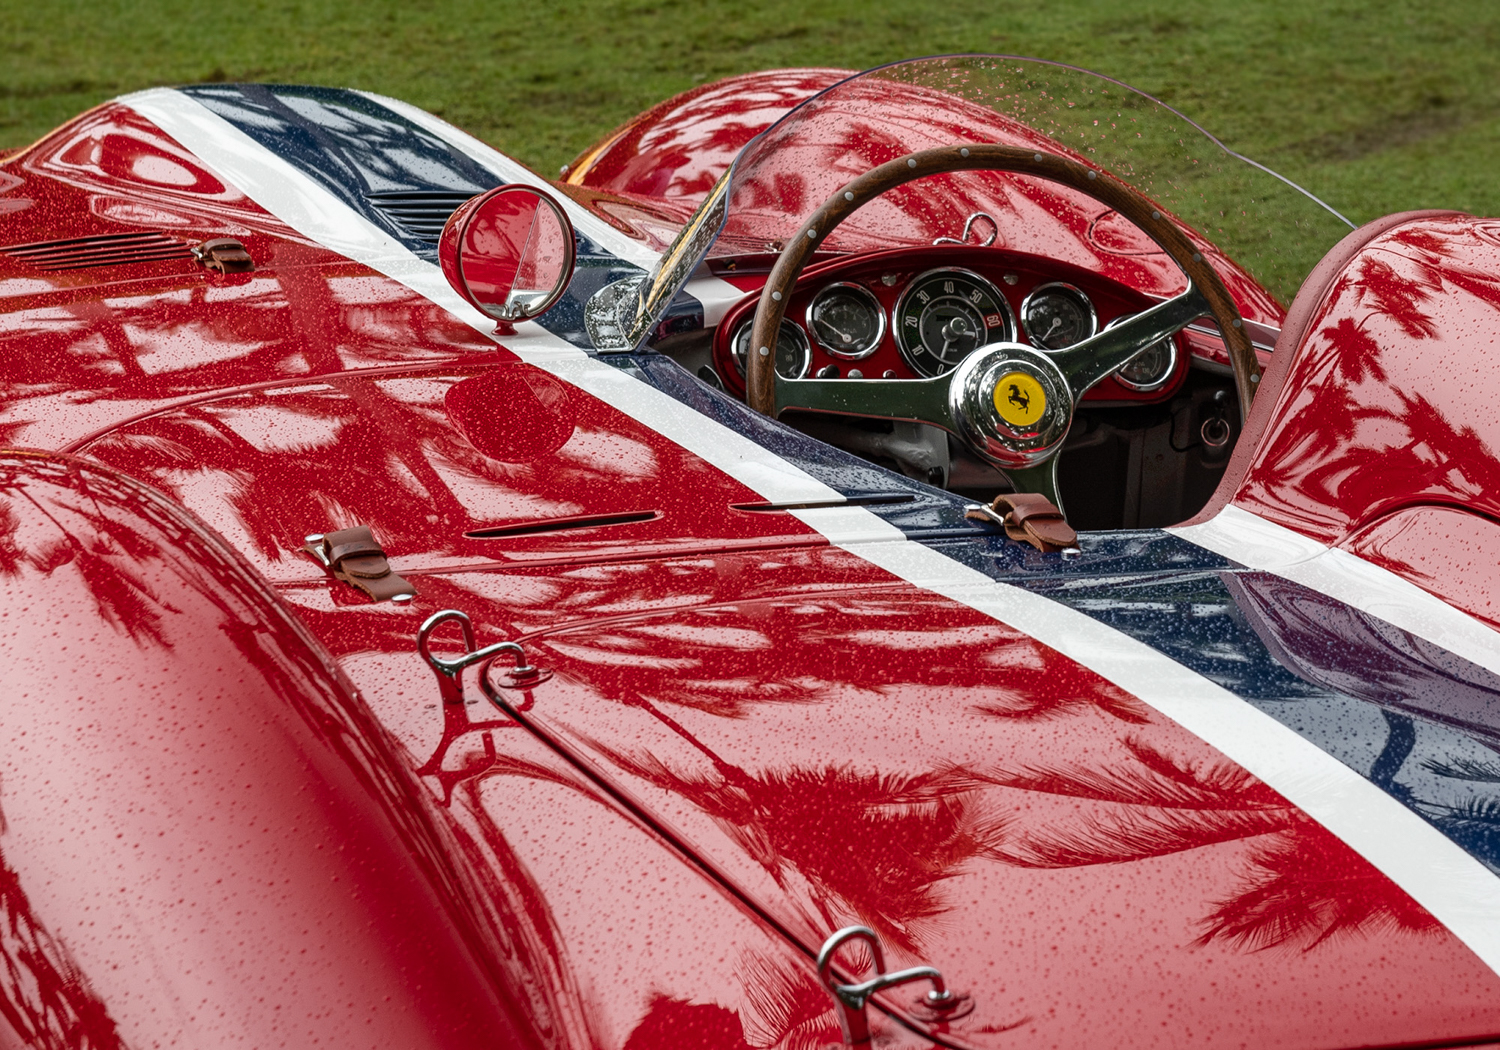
x,y
314,212
1266,546
716,295
1458,890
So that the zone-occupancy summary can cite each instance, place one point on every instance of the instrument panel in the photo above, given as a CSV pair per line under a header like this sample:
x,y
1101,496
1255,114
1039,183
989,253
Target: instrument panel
x,y
944,315
917,313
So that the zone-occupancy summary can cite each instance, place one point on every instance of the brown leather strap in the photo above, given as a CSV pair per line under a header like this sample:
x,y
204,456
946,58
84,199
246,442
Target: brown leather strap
x,y
1030,517
224,255
352,555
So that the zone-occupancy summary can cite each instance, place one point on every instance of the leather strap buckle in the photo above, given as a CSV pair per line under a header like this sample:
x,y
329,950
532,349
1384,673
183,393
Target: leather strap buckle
x,y
352,555
223,255
1028,517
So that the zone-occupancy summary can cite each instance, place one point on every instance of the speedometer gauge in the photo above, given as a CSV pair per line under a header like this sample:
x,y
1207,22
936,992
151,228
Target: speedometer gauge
x,y
945,315
793,355
1058,315
847,321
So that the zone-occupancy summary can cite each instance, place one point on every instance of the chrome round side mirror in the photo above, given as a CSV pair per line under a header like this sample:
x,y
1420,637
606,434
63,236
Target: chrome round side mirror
x,y
509,251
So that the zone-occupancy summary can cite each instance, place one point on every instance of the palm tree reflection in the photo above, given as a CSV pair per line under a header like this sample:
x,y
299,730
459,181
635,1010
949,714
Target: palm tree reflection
x,y
878,845
1303,888
1385,431
790,1010
45,998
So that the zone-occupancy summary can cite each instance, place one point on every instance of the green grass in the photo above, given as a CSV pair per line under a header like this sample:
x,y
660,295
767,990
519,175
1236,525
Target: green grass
x,y
1378,107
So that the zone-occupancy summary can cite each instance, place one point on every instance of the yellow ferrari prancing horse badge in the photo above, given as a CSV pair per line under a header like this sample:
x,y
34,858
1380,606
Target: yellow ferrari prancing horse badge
x,y
1019,399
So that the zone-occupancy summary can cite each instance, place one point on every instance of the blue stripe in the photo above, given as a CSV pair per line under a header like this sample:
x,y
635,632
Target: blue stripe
x,y
1414,719
931,512
355,147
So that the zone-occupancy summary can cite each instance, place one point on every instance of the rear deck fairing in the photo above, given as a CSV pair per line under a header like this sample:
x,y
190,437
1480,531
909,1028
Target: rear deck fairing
x,y
1106,631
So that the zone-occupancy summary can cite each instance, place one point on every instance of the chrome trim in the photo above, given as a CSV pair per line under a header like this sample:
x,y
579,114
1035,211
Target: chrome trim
x,y
516,309
1010,326
1088,362
960,402
1215,432
972,397
314,541
679,261
1088,304
608,313
1262,336
1146,388
860,291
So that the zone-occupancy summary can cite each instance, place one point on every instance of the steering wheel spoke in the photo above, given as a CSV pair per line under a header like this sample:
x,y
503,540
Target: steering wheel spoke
x,y
1010,404
909,400
1085,364
1040,478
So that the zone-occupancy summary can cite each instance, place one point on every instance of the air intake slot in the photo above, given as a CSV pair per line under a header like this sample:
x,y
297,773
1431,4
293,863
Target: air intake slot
x,y
577,521
871,499
421,213
78,253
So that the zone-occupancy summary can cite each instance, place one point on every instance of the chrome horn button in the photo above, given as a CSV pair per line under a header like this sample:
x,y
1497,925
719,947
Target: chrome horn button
x,y
1012,403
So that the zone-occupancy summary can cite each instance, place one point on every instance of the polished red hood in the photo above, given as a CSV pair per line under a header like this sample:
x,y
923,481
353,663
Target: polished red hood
x,y
842,747
832,743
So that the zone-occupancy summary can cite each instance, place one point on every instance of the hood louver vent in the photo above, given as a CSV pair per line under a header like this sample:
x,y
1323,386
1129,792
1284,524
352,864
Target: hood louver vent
x,y
79,253
421,213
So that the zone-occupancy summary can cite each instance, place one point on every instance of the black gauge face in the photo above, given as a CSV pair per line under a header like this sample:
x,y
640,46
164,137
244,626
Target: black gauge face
x,y
1152,369
792,352
847,321
1058,315
945,315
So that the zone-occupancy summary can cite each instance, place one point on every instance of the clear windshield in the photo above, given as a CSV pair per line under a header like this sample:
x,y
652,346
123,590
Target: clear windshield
x,y
1272,229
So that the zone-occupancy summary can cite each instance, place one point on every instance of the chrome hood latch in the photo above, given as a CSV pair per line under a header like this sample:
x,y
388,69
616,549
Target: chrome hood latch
x,y
940,1004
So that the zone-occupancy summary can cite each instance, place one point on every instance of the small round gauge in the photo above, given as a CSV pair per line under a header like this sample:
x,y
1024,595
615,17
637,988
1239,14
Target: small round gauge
x,y
945,315
847,321
1151,370
793,355
1058,315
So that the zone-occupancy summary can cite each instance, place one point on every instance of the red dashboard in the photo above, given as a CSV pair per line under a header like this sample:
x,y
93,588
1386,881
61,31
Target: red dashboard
x,y
999,296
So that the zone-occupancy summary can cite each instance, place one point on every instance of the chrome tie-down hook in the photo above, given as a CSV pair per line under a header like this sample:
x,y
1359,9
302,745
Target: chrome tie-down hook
x,y
963,238
450,672
939,1004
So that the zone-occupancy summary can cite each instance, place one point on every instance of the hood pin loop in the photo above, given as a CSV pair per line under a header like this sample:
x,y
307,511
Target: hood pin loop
x,y
939,1005
450,672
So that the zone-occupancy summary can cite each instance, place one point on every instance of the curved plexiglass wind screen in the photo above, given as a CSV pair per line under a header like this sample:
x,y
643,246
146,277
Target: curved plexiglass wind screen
x,y
1272,229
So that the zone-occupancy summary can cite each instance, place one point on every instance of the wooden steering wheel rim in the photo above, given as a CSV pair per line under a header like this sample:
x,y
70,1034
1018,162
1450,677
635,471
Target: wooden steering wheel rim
x,y
760,376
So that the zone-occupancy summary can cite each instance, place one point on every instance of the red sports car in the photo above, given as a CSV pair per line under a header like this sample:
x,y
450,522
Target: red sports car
x,y
951,555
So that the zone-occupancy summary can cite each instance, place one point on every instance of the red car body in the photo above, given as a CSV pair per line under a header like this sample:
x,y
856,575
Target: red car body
x,y
1223,784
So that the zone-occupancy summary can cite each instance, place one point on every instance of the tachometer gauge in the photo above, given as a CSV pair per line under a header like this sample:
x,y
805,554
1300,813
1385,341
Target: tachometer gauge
x,y
793,355
945,315
847,321
1151,370
1058,315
